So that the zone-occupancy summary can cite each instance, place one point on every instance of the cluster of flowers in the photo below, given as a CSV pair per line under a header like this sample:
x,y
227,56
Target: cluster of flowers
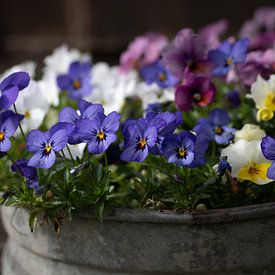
x,y
187,74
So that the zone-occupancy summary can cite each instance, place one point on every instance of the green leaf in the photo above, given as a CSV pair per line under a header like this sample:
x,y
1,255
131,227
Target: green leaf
x,y
33,220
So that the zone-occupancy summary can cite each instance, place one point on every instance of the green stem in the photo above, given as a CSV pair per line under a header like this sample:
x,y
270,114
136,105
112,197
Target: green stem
x,y
70,153
66,164
20,126
106,162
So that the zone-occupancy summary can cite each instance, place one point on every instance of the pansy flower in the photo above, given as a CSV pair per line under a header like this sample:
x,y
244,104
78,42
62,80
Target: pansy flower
x,y
44,145
185,149
268,149
100,132
224,166
247,161
77,82
10,88
8,125
215,127
228,54
166,123
186,53
157,73
30,173
143,50
139,137
200,92
68,118
263,94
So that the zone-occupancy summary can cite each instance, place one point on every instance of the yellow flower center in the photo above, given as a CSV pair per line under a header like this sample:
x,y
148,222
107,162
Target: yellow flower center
x,y
47,149
264,114
162,77
254,172
142,143
2,135
100,135
229,61
182,153
218,130
270,101
76,84
27,115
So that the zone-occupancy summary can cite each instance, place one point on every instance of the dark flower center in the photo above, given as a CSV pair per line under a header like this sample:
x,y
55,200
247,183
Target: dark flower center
x,y
182,153
2,135
76,84
100,136
47,149
253,171
162,76
218,130
197,96
141,143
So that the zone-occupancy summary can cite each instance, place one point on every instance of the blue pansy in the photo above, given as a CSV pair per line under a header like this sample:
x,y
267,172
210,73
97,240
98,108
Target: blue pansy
x,y
77,82
10,88
215,127
228,54
224,166
157,73
268,149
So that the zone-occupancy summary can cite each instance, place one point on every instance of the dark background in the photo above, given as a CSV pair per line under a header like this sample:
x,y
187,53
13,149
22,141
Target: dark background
x,y
32,28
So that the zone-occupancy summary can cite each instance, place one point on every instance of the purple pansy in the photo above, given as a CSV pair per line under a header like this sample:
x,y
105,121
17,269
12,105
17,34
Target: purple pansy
x,y
233,99
268,149
157,73
139,137
30,173
77,82
8,125
200,92
100,132
186,53
185,149
215,127
227,55
10,88
44,145
68,118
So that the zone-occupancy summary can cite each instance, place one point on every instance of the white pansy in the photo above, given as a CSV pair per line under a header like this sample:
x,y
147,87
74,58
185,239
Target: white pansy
x,y
56,64
27,66
249,132
76,151
263,94
110,87
247,161
33,104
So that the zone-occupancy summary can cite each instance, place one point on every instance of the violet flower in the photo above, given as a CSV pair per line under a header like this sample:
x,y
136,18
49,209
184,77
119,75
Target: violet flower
x,y
77,82
268,150
100,132
200,92
186,53
224,166
142,51
157,73
10,88
9,122
30,173
227,55
215,127
185,149
44,145
138,140
68,118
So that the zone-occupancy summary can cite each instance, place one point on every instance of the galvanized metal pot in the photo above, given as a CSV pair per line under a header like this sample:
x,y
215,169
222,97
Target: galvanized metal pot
x,y
227,241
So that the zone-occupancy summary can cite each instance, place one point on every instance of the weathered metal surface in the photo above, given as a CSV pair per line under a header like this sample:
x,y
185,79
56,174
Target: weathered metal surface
x,y
232,241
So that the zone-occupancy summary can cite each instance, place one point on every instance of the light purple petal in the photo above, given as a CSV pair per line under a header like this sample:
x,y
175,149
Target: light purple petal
x,y
131,154
19,79
111,122
5,145
92,111
36,139
39,160
59,140
151,135
69,115
9,96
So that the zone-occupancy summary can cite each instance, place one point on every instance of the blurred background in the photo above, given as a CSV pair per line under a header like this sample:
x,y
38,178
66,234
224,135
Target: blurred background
x,y
31,29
